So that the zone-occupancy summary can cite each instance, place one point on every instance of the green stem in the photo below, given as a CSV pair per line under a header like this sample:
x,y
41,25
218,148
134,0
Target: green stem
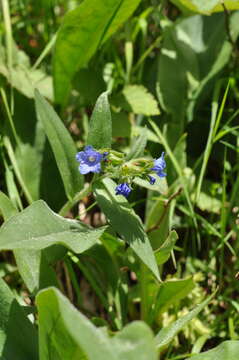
x,y
143,290
74,281
45,52
12,157
223,222
9,117
9,45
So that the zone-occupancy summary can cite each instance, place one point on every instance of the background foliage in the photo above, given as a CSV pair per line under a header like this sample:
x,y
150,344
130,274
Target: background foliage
x,y
87,274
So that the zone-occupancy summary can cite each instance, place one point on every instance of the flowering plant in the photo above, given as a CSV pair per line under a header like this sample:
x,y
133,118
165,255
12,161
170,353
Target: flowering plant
x,y
114,165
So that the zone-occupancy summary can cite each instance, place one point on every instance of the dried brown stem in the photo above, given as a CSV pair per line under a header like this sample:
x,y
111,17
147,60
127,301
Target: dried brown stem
x,y
166,205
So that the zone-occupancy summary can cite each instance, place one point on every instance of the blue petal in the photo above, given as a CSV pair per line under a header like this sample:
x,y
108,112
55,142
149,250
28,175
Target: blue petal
x,y
160,162
88,147
79,156
161,173
123,189
96,168
84,168
151,180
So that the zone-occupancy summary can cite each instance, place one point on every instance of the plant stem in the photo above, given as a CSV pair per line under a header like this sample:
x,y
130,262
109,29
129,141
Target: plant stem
x,y
143,291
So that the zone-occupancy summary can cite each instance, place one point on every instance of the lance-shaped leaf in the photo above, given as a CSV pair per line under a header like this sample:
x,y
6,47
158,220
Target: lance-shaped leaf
x,y
138,146
166,335
100,127
124,220
62,145
83,30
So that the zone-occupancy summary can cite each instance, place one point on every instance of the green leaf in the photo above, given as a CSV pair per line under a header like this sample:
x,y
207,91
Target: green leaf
x,y
37,228
166,335
100,127
15,329
29,260
171,292
140,100
159,186
163,253
138,146
22,77
35,269
62,145
125,222
157,224
82,32
227,350
6,206
135,341
206,6
206,202
64,333
193,52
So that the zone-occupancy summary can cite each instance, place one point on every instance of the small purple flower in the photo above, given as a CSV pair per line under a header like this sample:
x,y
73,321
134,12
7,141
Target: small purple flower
x,y
159,166
151,180
123,189
89,160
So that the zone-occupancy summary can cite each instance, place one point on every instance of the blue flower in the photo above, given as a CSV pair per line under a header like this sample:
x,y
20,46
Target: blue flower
x,y
89,160
123,189
159,166
151,180
105,154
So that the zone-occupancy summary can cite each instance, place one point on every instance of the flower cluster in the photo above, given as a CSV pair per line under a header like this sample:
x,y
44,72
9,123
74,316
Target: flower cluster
x,y
91,161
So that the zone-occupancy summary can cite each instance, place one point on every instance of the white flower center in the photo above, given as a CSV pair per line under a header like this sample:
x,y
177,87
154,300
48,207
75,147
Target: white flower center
x,y
91,158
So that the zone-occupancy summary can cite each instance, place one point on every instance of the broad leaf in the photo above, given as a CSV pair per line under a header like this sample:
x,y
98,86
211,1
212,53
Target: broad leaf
x,y
140,100
37,228
227,350
18,336
32,265
62,145
64,333
100,127
166,335
125,222
83,30
135,341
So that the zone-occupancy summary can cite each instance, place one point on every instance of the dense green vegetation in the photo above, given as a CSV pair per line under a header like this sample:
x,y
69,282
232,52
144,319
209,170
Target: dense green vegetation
x,y
107,251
